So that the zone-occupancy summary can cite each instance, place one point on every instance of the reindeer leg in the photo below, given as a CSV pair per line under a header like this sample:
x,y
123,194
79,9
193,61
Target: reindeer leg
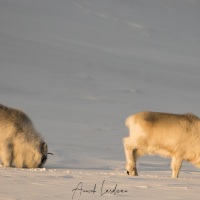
x,y
131,156
175,166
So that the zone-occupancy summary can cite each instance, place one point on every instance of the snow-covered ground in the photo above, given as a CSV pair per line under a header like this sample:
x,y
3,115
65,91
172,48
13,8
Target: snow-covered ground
x,y
78,68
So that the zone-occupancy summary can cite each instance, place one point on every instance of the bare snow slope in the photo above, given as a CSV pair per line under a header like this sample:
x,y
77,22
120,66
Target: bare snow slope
x,y
78,68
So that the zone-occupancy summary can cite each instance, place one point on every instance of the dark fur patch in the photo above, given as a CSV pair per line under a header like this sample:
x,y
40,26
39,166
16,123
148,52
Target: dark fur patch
x,y
154,117
151,118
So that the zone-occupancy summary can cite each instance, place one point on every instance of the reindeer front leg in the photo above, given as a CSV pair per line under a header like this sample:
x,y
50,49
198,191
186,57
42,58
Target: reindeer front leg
x,y
131,157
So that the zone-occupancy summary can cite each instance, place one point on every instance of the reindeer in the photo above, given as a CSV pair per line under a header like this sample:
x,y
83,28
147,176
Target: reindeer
x,y
21,145
169,135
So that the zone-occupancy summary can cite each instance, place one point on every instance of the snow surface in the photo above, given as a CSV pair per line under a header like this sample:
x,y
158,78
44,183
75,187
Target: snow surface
x,y
78,68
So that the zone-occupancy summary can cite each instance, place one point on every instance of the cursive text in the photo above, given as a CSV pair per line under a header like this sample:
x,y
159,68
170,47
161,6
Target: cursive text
x,y
79,190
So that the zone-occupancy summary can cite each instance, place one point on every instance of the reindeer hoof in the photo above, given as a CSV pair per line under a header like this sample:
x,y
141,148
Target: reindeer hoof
x,y
134,173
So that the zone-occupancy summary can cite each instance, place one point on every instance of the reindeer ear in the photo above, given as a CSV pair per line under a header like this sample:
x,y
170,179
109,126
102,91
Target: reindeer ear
x,y
44,147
